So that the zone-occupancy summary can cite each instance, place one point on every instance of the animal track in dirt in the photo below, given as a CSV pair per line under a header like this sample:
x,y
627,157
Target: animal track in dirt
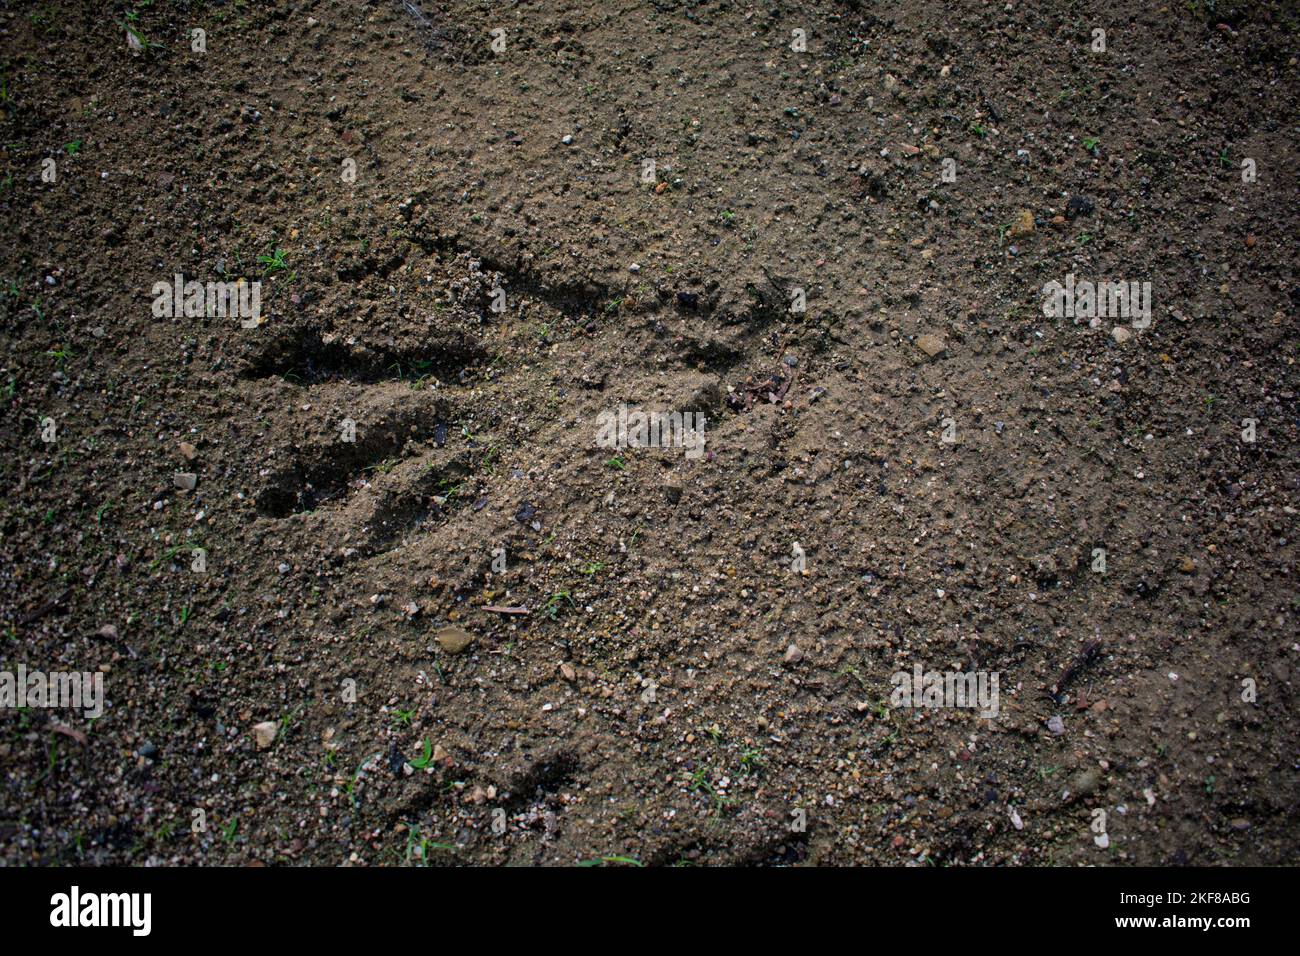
x,y
353,432
309,356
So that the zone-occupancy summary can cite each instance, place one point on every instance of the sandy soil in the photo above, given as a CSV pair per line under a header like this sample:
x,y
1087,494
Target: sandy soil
x,y
478,228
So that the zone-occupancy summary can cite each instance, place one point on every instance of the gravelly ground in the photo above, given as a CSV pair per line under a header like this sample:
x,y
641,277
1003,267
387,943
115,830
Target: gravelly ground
x,y
837,258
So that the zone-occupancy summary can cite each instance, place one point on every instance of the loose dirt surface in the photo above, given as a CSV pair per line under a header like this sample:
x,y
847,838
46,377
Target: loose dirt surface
x,y
686,686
